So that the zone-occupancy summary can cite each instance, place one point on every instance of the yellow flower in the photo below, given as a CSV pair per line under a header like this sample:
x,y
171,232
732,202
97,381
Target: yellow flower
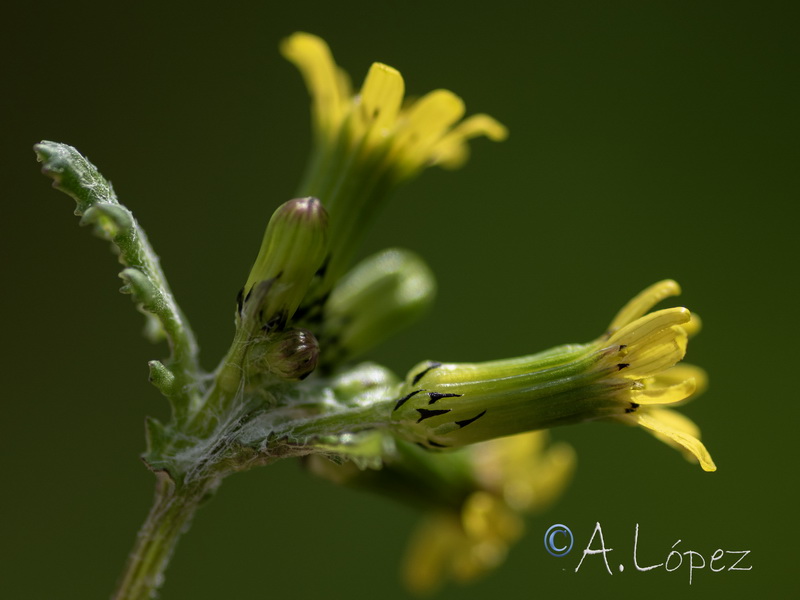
x,y
513,475
473,498
411,136
651,345
462,545
526,470
365,144
628,375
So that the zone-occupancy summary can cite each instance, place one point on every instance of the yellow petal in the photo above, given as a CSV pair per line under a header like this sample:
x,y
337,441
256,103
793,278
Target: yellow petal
x,y
324,80
423,123
693,327
678,431
680,373
528,473
380,100
495,461
664,395
642,329
660,352
644,301
452,150
480,125
473,560
549,480
430,551
486,518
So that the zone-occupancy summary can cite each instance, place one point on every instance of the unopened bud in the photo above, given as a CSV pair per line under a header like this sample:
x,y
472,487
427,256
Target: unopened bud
x,y
292,252
291,355
379,297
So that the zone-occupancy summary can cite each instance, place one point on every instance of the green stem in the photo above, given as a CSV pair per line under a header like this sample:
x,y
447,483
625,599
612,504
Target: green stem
x,y
224,390
170,516
352,420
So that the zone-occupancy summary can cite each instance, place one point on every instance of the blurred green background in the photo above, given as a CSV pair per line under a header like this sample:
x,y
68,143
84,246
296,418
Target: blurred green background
x,y
648,140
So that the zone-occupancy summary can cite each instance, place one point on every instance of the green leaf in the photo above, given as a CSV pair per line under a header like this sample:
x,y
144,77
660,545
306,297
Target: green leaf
x,y
74,175
162,377
159,438
110,220
96,202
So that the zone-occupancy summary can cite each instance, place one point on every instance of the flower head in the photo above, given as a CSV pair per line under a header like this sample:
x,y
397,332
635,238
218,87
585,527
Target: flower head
x,y
513,476
473,499
411,136
651,345
627,375
367,143
462,544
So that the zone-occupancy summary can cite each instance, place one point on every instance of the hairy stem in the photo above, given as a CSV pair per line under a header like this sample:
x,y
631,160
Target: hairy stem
x,y
170,516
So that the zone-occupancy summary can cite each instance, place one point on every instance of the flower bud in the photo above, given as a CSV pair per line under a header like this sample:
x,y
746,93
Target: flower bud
x,y
292,252
291,355
379,297
363,385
